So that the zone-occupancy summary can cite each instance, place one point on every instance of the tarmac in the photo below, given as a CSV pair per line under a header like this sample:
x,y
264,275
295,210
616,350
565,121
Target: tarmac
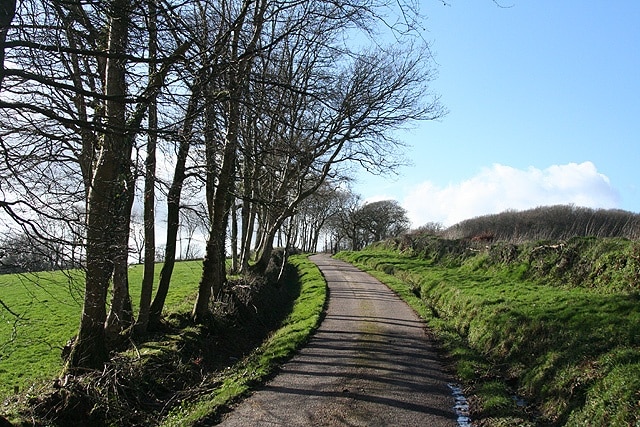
x,y
370,363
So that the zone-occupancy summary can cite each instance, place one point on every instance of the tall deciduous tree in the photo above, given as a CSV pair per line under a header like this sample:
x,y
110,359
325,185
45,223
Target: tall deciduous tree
x,y
366,223
173,202
314,214
360,101
149,199
108,197
383,219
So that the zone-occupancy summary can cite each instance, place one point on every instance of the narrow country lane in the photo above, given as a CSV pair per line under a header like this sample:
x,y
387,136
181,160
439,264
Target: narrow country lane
x,y
369,364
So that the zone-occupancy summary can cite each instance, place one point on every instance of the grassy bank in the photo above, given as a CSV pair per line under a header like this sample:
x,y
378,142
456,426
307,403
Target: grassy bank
x,y
529,351
236,381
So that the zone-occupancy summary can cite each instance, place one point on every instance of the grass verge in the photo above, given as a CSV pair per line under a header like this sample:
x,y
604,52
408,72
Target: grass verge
x,y
529,353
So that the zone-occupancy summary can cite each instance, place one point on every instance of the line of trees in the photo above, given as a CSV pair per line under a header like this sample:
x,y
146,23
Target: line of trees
x,y
243,111
338,216
362,224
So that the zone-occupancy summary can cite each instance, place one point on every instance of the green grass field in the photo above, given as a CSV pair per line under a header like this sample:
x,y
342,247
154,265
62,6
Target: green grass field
x,y
49,305
572,354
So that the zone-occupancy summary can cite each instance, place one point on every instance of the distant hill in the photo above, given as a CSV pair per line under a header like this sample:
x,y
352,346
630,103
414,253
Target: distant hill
x,y
547,222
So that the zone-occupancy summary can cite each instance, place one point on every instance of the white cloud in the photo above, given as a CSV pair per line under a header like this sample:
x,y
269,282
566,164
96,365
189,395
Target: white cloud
x,y
501,187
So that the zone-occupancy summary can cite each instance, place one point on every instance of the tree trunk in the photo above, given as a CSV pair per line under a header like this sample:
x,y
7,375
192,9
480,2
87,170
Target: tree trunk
x,y
316,235
214,274
90,349
267,246
248,235
173,224
120,316
248,208
287,246
173,208
148,277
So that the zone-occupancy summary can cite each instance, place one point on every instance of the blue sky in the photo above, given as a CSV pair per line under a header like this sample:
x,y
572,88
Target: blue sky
x,y
544,108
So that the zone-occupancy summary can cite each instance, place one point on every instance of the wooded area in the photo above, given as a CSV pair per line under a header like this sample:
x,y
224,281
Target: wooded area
x,y
240,115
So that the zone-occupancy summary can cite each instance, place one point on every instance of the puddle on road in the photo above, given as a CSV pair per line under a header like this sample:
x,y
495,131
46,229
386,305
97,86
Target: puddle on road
x,y
461,406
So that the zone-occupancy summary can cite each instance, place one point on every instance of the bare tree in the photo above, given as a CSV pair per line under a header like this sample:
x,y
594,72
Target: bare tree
x,y
314,213
365,97
382,220
136,237
20,253
173,203
210,43
107,202
194,220
348,224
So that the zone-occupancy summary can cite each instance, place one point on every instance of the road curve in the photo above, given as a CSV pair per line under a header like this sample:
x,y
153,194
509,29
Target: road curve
x,y
369,364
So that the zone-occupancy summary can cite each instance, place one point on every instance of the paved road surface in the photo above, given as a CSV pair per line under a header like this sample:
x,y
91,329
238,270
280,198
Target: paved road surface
x,y
369,364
